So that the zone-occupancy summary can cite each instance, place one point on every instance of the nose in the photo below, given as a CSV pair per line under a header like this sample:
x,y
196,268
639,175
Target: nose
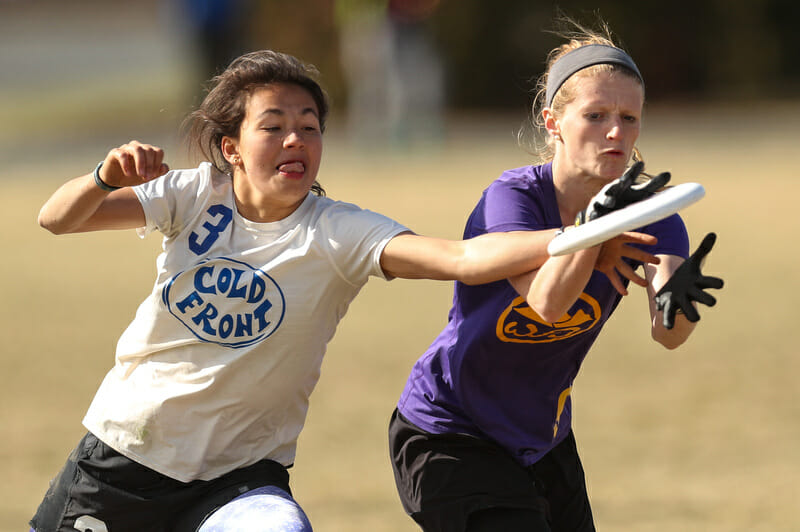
x,y
294,139
615,131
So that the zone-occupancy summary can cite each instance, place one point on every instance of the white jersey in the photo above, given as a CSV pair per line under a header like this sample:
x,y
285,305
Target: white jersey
x,y
215,371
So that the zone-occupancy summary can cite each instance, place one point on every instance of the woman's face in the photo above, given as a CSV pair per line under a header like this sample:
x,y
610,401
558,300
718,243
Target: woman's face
x,y
277,155
599,128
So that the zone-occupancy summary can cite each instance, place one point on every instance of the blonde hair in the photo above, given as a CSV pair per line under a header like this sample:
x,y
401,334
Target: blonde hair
x,y
577,36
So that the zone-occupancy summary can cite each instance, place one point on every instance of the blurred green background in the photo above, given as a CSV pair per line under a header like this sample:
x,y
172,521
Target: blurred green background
x,y
427,105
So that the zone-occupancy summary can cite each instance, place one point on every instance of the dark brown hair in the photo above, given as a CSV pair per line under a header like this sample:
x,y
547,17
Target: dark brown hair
x,y
223,109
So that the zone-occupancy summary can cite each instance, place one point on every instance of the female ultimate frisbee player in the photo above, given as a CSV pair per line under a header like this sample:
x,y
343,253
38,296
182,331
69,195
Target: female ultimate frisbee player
x,y
481,439
197,422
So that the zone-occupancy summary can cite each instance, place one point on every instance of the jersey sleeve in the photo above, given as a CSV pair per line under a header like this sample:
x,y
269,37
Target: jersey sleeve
x,y
672,237
508,205
355,239
169,200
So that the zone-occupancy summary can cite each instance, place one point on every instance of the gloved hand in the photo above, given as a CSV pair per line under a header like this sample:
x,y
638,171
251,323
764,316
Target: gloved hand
x,y
622,192
687,285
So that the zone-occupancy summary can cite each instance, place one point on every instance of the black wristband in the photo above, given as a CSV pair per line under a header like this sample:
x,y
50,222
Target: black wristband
x,y
100,183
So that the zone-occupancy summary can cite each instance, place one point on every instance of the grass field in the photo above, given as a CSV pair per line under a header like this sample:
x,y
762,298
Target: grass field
x,y
703,438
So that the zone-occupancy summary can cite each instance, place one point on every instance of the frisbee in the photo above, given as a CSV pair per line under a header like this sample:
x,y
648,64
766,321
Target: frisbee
x,y
635,215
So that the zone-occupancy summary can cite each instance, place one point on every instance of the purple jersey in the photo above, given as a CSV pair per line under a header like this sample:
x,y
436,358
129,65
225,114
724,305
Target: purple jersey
x,y
498,370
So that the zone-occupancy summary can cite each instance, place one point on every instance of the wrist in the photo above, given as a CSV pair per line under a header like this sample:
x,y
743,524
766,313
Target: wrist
x,y
99,181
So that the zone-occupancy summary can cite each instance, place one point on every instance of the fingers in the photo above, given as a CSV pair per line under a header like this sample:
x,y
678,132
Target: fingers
x,y
704,248
133,163
668,318
668,309
657,183
616,282
703,297
630,175
617,271
638,238
612,263
629,273
639,255
710,282
689,311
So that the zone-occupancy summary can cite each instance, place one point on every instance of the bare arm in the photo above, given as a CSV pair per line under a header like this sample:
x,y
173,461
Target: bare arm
x,y
80,205
483,259
657,276
555,287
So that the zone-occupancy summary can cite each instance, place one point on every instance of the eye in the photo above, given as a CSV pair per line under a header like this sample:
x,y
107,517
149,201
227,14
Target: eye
x,y
594,116
310,126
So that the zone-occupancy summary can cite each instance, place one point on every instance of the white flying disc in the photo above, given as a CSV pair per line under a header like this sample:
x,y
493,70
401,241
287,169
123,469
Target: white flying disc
x,y
635,215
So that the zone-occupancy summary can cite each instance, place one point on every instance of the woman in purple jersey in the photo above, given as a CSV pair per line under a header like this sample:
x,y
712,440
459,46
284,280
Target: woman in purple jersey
x,y
481,439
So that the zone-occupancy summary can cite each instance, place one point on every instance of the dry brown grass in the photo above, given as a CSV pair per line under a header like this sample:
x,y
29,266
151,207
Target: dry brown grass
x,y
703,438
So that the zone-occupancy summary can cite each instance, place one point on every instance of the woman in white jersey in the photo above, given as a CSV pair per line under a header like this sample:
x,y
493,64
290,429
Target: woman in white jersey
x,y
210,389
481,439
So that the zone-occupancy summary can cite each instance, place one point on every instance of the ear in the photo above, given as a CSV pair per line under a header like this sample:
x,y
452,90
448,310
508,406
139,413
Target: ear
x,y
230,150
551,123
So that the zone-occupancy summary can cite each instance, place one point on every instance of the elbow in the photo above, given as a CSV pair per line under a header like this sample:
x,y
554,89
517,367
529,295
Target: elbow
x,y
44,223
552,307
668,339
671,338
51,224
472,280
670,345
550,315
547,311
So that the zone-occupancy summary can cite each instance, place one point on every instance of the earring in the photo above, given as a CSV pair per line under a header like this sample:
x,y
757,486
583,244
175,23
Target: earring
x,y
556,137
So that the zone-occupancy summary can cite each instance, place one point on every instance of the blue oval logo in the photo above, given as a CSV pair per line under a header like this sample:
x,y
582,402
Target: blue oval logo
x,y
226,302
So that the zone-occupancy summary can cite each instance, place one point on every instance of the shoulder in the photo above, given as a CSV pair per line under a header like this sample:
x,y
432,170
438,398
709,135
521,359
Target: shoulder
x,y
325,207
528,179
185,182
341,221
172,201
521,199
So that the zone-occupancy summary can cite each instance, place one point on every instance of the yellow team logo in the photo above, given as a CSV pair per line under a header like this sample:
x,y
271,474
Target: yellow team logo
x,y
519,323
562,402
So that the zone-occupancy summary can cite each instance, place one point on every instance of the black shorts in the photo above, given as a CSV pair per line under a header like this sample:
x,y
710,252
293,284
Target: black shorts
x,y
98,481
451,482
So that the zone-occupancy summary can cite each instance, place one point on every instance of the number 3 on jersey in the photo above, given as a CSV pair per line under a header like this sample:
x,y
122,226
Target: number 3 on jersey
x,y
223,216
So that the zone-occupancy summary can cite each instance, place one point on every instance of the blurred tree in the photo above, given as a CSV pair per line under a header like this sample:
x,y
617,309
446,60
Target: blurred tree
x,y
393,70
781,19
492,52
305,29
218,31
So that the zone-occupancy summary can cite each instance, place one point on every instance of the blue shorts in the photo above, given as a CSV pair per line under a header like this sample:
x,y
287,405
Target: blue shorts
x,y
98,481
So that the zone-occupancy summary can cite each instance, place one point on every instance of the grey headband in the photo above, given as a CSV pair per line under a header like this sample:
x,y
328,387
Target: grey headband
x,y
584,57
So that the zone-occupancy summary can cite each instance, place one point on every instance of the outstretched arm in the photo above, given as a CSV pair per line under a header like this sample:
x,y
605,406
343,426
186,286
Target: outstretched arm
x,y
483,259
675,288
82,204
681,328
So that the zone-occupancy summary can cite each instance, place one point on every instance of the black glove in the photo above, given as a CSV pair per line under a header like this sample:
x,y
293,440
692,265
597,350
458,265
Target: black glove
x,y
687,285
622,192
